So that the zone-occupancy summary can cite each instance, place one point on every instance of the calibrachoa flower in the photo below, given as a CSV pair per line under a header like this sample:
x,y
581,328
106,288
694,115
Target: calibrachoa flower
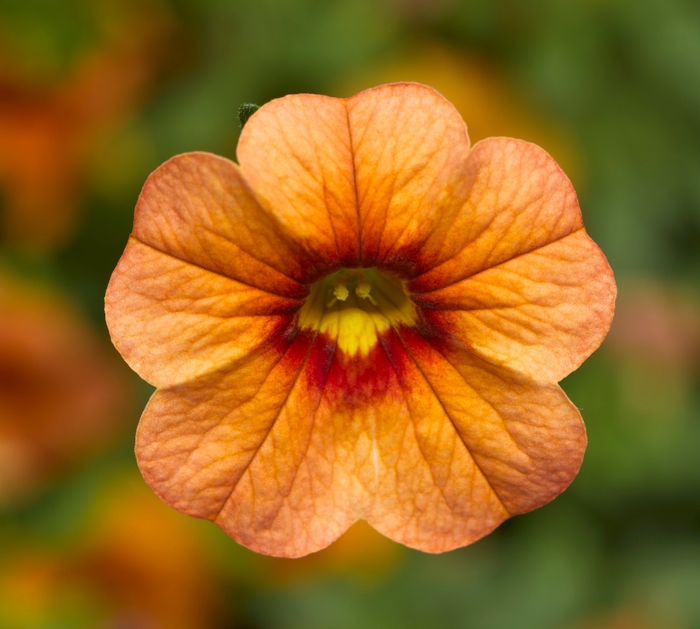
x,y
366,319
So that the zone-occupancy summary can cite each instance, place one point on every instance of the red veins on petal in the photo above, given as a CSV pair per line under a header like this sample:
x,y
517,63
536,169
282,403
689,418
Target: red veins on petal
x,y
294,397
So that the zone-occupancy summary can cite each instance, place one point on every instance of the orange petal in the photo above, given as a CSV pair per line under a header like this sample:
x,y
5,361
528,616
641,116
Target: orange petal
x,y
467,446
420,485
198,208
287,448
233,447
385,162
173,320
296,152
517,200
409,146
541,313
526,438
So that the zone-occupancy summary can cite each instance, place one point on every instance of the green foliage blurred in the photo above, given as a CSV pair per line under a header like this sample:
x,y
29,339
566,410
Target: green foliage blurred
x,y
95,95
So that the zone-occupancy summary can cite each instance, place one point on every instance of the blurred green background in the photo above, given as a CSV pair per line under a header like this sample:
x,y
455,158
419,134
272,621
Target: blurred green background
x,y
94,94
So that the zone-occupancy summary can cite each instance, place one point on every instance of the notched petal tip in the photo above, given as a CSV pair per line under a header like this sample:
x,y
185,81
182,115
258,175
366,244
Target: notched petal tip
x,y
406,90
359,181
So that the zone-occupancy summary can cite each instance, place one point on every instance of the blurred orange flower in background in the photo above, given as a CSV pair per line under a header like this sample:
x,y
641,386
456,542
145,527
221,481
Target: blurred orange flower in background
x,y
136,563
61,392
50,126
365,320
479,91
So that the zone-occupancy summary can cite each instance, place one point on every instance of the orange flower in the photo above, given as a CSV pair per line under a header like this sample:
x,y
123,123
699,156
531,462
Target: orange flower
x,y
49,133
366,319
481,94
61,395
135,563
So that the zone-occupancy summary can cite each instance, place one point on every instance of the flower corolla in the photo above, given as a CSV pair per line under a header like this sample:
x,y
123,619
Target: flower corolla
x,y
365,319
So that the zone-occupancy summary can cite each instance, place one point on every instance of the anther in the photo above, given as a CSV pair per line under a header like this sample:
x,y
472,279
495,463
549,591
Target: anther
x,y
363,289
340,292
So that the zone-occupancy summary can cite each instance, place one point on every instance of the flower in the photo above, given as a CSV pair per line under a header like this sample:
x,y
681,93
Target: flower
x,y
52,131
135,563
366,319
63,394
481,93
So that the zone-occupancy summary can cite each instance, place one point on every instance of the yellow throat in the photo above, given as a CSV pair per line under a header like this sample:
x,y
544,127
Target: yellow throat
x,y
354,306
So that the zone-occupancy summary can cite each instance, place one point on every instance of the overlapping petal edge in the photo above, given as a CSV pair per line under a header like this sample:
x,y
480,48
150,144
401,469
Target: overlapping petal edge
x,y
441,429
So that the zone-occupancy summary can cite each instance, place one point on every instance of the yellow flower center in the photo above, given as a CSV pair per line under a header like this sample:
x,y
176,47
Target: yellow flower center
x,y
354,306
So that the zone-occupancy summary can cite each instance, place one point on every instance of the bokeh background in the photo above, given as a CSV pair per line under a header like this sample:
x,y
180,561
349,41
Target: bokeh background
x,y
94,94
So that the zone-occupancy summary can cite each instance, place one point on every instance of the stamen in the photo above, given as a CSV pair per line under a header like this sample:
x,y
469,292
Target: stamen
x,y
340,292
356,306
363,289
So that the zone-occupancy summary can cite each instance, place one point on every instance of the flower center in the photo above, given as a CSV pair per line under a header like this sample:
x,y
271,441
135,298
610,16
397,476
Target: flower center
x,y
354,306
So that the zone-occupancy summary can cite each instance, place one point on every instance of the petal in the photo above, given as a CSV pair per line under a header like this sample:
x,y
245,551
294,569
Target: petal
x,y
409,146
518,199
296,152
197,207
436,449
541,313
287,448
427,490
386,161
526,438
173,320
234,446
